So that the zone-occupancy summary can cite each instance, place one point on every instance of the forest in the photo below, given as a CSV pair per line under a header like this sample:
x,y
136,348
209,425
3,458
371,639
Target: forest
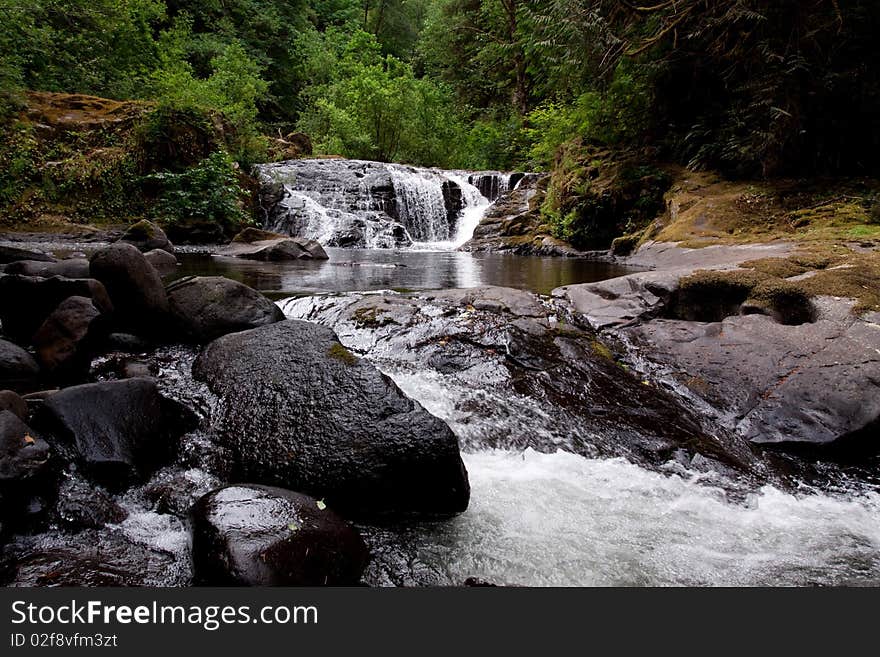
x,y
749,88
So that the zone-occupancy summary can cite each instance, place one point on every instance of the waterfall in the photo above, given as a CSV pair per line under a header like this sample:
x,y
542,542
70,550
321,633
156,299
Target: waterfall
x,y
356,203
495,184
421,205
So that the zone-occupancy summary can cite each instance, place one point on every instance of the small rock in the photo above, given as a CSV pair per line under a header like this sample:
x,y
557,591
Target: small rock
x,y
82,506
13,254
164,262
23,454
262,536
88,558
128,343
288,248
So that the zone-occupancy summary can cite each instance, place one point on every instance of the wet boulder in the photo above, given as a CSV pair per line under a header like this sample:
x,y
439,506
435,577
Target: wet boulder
x,y
134,286
14,254
118,431
261,536
89,558
68,339
300,411
146,236
286,248
26,301
71,268
206,307
11,401
18,369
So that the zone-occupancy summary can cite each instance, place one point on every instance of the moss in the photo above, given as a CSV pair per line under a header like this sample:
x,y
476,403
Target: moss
x,y
141,230
601,350
704,208
370,317
857,277
340,353
763,286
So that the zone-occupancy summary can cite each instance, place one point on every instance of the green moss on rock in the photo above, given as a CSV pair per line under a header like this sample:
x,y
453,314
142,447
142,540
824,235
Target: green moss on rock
x,y
340,353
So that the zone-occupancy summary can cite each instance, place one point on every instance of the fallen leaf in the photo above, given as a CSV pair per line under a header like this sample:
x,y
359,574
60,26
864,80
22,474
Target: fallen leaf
x,y
321,505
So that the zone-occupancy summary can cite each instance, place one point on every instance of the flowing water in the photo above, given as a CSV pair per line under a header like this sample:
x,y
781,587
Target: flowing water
x,y
560,519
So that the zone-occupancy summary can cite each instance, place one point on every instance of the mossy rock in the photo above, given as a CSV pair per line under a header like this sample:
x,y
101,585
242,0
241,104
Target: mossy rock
x,y
625,245
142,230
340,353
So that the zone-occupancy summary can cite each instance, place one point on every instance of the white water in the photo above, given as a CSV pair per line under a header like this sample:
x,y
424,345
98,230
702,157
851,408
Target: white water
x,y
565,520
475,206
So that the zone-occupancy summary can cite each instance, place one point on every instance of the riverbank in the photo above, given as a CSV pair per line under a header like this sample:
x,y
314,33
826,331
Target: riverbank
x,y
781,344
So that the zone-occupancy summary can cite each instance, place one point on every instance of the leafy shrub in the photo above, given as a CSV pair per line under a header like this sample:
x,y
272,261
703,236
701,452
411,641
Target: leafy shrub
x,y
209,191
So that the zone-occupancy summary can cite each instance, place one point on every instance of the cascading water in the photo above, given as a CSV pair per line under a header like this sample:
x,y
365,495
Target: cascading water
x,y
354,203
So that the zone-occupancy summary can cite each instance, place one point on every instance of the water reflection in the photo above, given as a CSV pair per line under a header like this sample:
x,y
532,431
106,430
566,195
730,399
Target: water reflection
x,y
361,270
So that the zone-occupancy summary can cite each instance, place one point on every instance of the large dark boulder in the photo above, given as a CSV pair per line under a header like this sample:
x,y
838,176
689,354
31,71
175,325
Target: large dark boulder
x,y
71,268
18,369
299,410
207,307
69,337
135,288
146,236
262,536
26,301
119,431
14,254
